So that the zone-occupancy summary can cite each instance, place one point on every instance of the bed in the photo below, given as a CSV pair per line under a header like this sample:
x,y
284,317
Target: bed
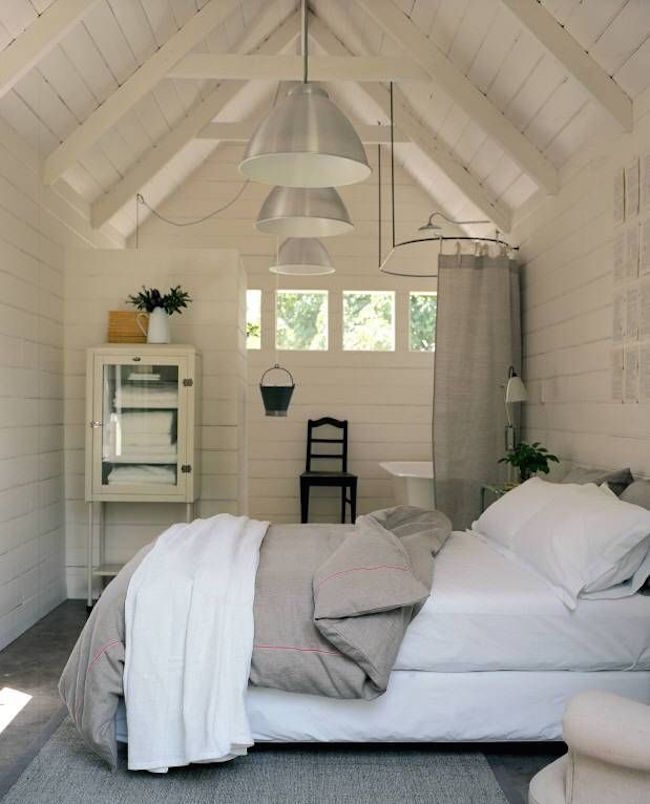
x,y
493,654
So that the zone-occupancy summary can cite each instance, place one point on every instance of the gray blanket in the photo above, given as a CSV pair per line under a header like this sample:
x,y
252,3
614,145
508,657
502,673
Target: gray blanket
x,y
332,604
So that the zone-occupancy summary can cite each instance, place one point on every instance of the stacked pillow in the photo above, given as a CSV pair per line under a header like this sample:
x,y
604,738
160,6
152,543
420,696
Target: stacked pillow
x,y
581,539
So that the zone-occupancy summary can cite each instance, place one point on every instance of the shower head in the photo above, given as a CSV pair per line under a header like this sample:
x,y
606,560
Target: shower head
x,y
430,226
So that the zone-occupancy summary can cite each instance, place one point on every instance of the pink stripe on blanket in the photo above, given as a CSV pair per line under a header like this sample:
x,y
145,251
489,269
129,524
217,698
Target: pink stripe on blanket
x,y
103,650
300,650
398,567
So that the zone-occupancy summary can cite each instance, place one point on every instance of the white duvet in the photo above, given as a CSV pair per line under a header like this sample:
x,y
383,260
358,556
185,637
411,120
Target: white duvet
x,y
189,641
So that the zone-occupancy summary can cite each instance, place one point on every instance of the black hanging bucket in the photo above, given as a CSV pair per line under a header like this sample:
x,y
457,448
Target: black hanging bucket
x,y
276,398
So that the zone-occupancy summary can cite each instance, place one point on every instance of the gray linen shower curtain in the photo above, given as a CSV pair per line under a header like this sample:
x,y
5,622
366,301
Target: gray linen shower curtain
x,y
478,336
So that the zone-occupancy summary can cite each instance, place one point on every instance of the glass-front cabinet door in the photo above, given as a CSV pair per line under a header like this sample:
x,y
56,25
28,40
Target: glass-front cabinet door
x,y
140,427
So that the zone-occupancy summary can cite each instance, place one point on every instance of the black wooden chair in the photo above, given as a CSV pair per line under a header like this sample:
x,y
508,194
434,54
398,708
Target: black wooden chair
x,y
343,479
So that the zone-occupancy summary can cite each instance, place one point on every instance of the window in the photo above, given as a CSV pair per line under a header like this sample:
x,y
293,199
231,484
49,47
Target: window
x,y
301,319
422,321
253,319
368,320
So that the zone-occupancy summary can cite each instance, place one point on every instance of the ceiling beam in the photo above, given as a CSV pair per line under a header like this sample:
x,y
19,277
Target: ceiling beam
x,y
221,66
422,137
203,113
575,60
242,132
462,91
45,33
142,81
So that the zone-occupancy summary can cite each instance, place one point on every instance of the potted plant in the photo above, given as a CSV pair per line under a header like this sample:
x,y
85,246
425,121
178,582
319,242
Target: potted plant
x,y
158,308
529,459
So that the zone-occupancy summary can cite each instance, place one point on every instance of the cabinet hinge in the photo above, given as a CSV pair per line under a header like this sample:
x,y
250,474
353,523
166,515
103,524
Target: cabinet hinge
x,y
188,382
186,468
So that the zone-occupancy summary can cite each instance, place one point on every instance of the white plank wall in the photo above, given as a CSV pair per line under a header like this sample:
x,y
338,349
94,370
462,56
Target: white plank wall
x,y
31,399
99,281
386,397
567,247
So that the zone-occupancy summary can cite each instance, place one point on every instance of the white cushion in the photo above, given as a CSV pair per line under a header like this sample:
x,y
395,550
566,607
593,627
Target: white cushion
x,y
579,538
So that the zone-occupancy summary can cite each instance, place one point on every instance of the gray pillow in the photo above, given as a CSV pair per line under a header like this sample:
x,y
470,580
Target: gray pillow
x,y
618,480
638,493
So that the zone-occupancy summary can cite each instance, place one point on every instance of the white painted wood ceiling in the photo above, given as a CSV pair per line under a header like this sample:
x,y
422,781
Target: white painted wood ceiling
x,y
483,39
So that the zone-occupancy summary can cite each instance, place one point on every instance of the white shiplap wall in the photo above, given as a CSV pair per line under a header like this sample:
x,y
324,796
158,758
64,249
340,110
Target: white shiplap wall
x,y
567,247
98,281
386,397
35,227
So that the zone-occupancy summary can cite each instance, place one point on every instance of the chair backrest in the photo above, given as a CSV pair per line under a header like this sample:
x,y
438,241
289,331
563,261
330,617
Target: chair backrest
x,y
338,449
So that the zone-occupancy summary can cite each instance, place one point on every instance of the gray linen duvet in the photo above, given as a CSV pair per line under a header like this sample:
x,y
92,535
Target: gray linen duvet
x,y
332,604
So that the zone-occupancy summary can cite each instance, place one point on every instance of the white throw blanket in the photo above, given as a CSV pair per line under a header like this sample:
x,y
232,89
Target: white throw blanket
x,y
189,642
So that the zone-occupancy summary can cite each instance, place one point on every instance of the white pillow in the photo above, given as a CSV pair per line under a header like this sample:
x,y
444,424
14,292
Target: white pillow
x,y
579,538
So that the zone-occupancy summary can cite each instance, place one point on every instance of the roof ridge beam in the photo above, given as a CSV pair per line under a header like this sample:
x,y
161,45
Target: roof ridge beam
x,y
36,41
242,132
462,91
143,80
575,60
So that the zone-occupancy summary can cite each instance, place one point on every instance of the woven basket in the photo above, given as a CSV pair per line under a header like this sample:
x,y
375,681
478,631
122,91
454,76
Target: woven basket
x,y
123,326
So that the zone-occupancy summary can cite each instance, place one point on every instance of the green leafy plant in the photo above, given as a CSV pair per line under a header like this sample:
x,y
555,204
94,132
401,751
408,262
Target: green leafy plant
x,y
529,459
150,298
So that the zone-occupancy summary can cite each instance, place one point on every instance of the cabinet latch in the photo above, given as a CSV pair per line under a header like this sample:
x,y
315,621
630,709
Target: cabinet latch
x,y
186,468
188,383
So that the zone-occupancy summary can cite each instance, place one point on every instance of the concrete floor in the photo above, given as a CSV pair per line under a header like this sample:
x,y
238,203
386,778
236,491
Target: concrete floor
x,y
33,664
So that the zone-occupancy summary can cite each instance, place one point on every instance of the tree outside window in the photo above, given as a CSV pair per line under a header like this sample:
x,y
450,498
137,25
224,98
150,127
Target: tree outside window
x,y
253,319
301,319
422,321
368,321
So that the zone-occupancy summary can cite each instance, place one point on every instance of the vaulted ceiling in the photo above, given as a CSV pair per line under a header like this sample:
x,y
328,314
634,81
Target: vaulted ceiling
x,y
492,97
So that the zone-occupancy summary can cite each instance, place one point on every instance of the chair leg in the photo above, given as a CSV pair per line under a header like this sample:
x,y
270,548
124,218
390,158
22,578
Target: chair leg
x,y
343,501
304,501
353,501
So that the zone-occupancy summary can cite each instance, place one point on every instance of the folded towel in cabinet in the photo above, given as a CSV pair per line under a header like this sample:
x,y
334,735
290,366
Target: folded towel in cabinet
x,y
143,473
155,421
145,440
143,397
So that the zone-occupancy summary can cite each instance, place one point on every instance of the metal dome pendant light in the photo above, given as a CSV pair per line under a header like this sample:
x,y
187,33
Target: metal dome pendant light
x,y
306,141
304,212
302,256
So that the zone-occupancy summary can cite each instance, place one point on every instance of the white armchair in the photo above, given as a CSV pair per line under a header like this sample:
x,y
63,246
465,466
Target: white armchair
x,y
608,761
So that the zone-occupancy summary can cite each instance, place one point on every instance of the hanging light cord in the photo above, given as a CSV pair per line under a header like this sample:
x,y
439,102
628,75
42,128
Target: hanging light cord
x,y
141,200
303,42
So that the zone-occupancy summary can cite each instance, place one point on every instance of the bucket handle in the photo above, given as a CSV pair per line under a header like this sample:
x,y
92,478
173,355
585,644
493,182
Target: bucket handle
x,y
280,368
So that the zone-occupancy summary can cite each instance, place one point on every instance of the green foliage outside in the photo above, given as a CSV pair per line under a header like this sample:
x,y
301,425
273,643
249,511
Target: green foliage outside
x,y
301,320
253,319
422,321
368,321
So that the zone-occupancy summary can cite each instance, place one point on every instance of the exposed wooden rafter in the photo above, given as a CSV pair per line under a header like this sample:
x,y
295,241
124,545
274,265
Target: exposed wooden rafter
x,y
242,132
448,77
47,30
576,61
420,135
221,66
143,80
203,113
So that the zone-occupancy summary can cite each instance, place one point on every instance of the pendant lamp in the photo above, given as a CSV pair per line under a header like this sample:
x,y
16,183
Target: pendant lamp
x,y
304,212
306,141
302,256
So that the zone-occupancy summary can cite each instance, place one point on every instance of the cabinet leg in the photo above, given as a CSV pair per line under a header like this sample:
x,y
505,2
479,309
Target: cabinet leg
x,y
89,559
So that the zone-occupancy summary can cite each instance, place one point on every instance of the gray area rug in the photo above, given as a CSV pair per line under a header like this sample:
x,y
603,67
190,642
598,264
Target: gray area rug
x,y
65,772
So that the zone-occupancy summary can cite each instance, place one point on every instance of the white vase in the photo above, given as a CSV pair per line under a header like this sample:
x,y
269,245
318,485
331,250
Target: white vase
x,y
158,331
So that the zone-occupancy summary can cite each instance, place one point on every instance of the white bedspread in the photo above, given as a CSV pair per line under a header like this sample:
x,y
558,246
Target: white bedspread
x,y
189,637
488,613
